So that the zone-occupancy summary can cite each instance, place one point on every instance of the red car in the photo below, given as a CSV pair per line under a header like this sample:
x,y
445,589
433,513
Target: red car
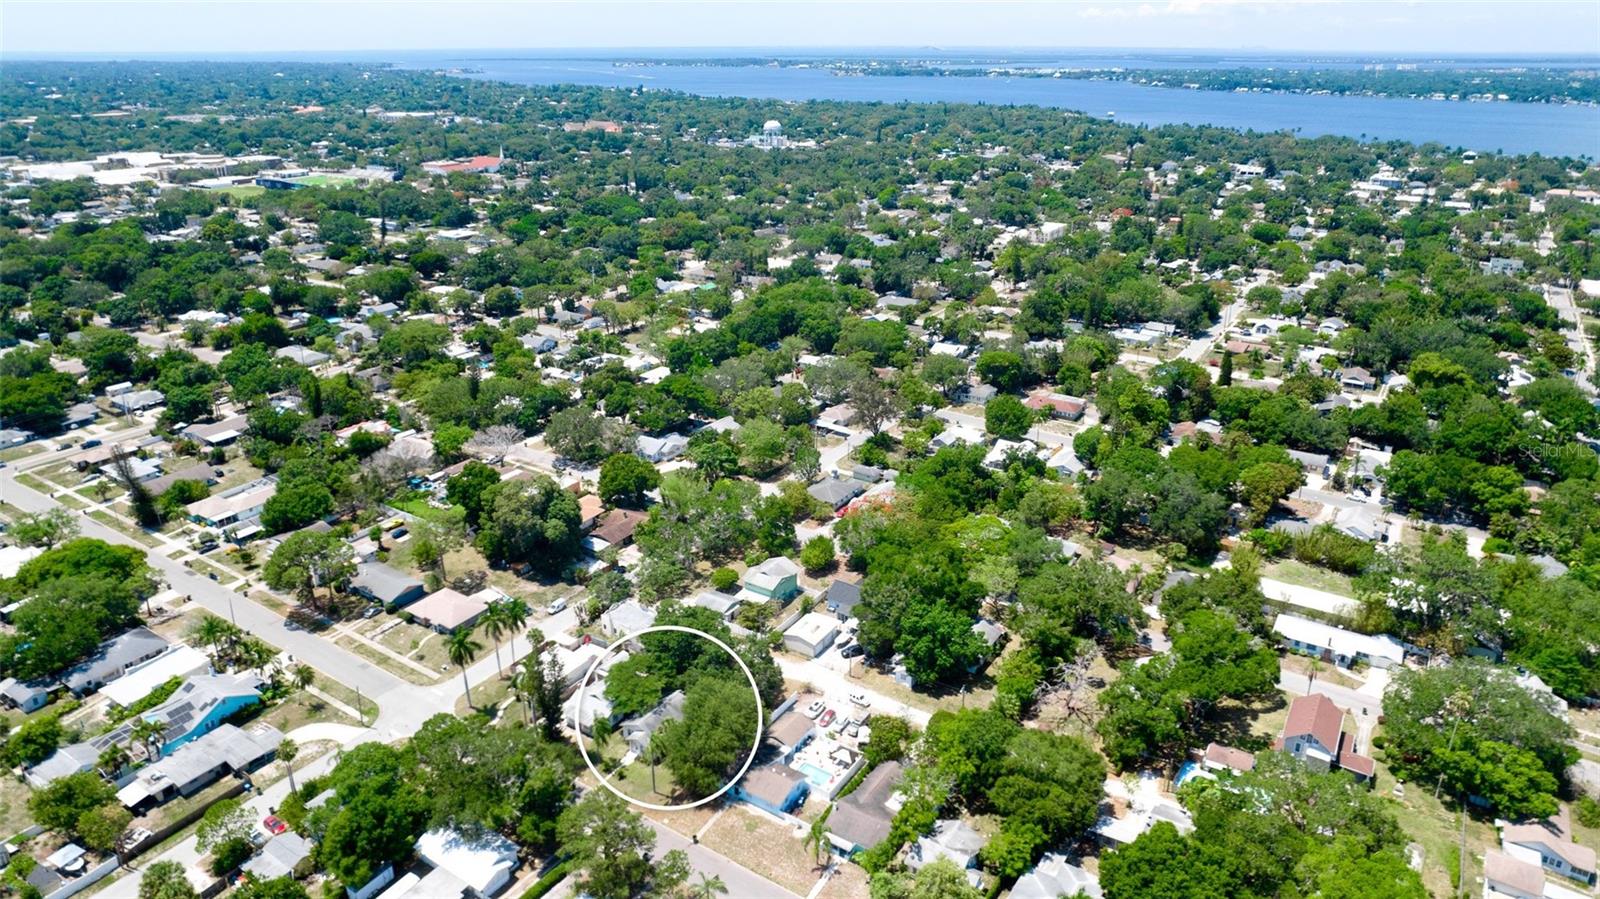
x,y
826,719
274,825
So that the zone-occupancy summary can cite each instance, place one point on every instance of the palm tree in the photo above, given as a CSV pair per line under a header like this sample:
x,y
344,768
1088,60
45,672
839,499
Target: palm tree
x,y
1313,668
303,675
287,750
494,624
149,733
112,760
463,649
516,614
817,839
213,632
709,887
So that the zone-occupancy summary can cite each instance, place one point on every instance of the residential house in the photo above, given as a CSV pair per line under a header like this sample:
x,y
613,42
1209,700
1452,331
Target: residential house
x,y
218,433
238,504
1226,758
179,661
227,750
638,731
626,617
1549,844
199,706
1059,405
137,400
842,598
617,526
447,609
486,862
812,634
790,731
721,603
1056,876
774,788
1505,877
837,492
285,855
661,449
861,820
306,356
777,579
24,697
1337,645
385,584
1314,734
951,839
114,658
840,416
1357,378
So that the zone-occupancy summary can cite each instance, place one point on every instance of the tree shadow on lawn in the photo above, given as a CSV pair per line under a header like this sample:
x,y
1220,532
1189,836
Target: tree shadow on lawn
x,y
1234,724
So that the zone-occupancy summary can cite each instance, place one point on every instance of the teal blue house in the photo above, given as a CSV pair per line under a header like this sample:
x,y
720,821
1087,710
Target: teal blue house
x,y
776,579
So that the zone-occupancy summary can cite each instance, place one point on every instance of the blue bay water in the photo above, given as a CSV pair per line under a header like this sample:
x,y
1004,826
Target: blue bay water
x,y
1549,129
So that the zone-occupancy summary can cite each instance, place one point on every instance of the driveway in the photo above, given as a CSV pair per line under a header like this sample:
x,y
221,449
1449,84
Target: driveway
x,y
742,882
837,687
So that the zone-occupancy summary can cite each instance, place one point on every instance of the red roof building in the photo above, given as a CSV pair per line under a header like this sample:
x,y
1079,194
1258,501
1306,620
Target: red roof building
x,y
1315,735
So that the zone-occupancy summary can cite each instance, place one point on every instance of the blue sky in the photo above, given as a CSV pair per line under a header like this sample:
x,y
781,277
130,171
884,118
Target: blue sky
x,y
133,27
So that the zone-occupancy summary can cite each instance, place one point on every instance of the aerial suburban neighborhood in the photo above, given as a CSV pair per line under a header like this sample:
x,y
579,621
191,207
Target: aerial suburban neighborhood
x,y
418,486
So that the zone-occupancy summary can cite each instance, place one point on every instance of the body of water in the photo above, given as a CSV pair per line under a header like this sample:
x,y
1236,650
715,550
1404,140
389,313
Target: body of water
x,y
1490,127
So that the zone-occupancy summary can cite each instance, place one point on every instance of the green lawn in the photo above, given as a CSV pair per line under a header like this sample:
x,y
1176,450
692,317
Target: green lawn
x,y
420,507
1292,571
242,191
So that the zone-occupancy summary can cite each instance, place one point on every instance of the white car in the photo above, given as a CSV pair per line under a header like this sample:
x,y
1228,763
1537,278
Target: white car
x,y
860,699
815,709
558,606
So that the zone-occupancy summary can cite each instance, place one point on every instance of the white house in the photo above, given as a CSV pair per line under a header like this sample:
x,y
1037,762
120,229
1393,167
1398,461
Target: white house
x,y
1343,648
485,862
1549,844
812,634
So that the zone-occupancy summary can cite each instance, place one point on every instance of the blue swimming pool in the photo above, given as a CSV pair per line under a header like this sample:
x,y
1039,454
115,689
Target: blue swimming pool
x,y
1186,771
817,776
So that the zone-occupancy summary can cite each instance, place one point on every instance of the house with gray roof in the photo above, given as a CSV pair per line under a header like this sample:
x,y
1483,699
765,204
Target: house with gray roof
x,y
386,584
224,751
1056,876
861,820
285,855
24,697
113,659
836,491
638,731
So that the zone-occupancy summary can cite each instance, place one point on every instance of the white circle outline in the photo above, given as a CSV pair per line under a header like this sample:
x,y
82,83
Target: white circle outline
x,y
583,690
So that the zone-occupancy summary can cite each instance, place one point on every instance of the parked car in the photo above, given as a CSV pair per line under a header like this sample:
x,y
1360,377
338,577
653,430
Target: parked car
x,y
853,650
859,698
397,533
274,825
815,709
91,443
559,605
826,719
372,612
852,728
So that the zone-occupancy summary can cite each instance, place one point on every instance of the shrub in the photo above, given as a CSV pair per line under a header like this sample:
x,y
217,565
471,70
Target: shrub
x,y
723,578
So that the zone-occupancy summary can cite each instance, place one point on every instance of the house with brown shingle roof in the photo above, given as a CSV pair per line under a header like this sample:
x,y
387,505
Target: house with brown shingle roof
x,y
1315,734
1549,844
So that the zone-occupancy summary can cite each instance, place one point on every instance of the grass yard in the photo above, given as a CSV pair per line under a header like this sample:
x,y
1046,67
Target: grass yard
x,y
14,815
634,780
1293,571
386,662
119,524
848,882
13,453
977,697
687,821
302,708
421,508
782,857
1436,828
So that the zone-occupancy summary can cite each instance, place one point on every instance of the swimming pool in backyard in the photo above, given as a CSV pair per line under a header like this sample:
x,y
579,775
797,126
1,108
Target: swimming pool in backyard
x,y
817,776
